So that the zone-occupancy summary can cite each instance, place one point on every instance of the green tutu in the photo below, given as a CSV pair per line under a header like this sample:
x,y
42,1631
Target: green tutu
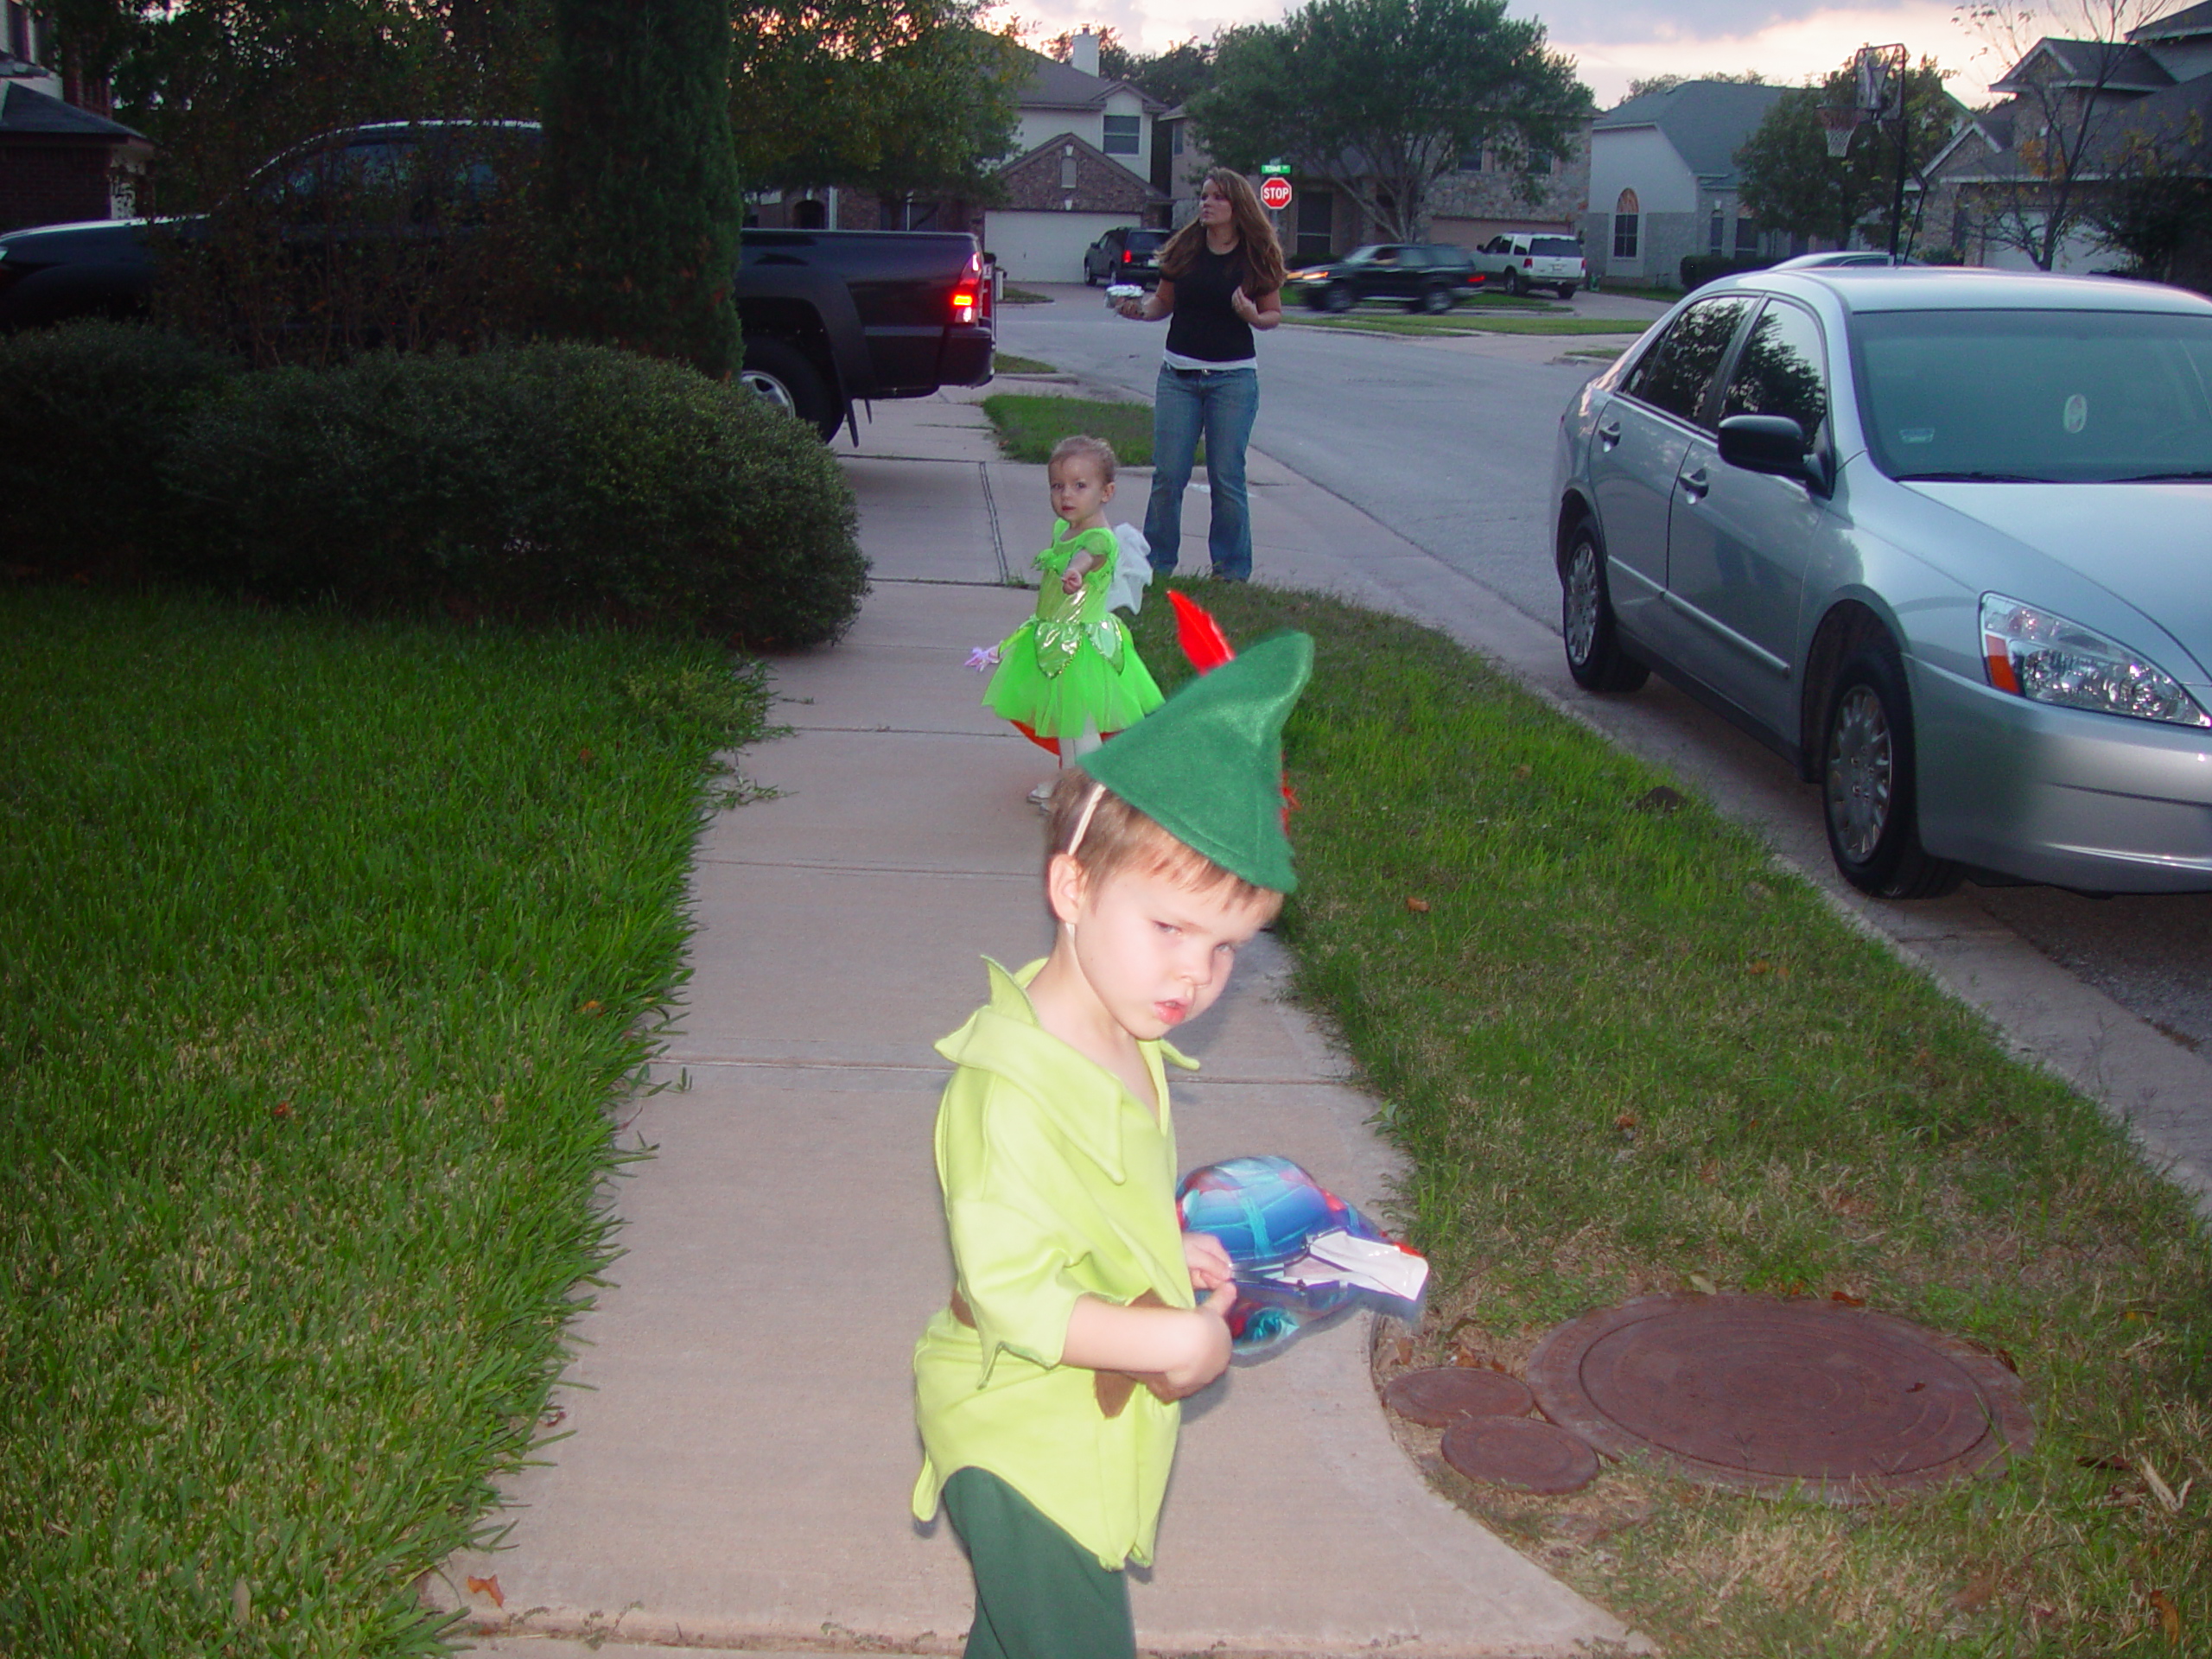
x,y
1088,692
1072,667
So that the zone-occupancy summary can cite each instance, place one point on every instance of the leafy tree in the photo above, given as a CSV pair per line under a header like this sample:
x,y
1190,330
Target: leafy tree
x,y
641,201
2065,123
2156,206
1667,83
1382,98
1791,181
898,95
1178,74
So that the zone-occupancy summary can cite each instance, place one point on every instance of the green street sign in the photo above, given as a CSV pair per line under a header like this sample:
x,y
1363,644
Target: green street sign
x,y
1274,169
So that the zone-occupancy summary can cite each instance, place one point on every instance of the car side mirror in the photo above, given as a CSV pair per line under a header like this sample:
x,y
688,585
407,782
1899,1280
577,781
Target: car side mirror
x,y
1773,444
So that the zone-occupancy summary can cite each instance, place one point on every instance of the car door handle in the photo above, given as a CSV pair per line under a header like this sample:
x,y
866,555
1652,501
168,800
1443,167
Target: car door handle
x,y
1609,433
1694,485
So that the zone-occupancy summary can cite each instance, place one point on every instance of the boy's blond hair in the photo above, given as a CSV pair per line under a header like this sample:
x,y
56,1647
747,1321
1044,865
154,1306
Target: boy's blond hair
x,y
1118,837
1090,448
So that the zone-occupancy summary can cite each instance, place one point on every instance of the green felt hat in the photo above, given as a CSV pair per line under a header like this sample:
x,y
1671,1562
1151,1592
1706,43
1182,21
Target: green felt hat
x,y
1206,765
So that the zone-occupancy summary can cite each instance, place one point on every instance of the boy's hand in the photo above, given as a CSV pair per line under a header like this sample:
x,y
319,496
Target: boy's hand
x,y
1209,1264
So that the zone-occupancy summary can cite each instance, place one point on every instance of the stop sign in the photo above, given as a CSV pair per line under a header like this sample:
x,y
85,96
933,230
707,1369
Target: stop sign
x,y
1275,193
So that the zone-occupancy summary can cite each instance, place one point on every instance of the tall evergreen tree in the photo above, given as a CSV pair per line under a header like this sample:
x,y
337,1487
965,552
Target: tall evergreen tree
x,y
641,202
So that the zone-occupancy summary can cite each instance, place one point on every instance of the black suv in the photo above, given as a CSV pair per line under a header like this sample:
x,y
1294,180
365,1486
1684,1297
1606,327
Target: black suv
x,y
1124,254
1425,275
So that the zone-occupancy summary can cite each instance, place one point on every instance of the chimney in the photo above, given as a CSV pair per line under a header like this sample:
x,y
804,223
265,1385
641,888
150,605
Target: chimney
x,y
1082,51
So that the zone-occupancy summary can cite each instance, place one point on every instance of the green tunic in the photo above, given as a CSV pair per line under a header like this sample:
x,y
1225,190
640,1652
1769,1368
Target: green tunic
x,y
1058,1184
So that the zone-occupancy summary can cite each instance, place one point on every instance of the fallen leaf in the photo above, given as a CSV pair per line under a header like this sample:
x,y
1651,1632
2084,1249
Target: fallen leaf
x,y
1524,771
1975,1593
589,1008
1625,1120
1709,1172
584,755
1762,966
281,1110
1846,1299
2159,1490
1419,906
2169,1615
488,1587
1703,1285
242,1603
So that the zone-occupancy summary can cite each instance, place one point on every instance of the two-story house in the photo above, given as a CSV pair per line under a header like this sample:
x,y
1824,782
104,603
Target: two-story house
x,y
61,159
1664,182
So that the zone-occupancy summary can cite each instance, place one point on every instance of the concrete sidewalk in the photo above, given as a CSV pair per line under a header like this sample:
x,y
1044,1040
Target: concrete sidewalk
x,y
739,1436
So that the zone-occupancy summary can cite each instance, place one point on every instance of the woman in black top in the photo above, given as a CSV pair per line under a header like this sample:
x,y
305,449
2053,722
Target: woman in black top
x,y
1221,277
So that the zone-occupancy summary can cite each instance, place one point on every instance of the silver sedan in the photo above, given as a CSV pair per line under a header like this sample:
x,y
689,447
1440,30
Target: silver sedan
x,y
1943,538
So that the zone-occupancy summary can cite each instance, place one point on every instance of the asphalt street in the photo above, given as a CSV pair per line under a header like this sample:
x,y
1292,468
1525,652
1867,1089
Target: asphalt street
x,y
1450,444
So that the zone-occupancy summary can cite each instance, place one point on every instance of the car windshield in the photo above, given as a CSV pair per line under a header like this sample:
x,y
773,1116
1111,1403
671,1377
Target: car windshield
x,y
1555,247
1366,255
2037,397
1146,241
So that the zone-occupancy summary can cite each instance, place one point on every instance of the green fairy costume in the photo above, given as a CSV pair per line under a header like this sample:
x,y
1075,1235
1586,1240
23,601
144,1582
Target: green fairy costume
x,y
1072,667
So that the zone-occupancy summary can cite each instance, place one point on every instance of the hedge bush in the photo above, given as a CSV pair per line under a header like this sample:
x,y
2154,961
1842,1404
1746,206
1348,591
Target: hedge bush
x,y
545,479
1699,269
86,411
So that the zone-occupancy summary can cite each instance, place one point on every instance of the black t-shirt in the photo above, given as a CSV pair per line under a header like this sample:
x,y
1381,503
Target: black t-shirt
x,y
1204,324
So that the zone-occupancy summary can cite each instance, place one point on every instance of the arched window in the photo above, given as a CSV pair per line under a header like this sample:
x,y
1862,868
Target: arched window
x,y
810,215
1624,227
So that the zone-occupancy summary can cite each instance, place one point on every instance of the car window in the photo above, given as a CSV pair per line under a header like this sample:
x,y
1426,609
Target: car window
x,y
1556,247
2067,397
1676,374
1365,256
1147,241
1782,370
1414,258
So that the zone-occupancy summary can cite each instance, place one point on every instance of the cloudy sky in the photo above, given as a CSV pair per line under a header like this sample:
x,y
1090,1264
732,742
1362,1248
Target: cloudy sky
x,y
1615,41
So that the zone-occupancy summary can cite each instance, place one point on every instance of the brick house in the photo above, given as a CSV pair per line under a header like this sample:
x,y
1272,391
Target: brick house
x,y
2156,85
59,163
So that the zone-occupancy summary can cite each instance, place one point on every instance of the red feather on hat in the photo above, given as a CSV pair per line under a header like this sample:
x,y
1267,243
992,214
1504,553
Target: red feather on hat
x,y
1200,635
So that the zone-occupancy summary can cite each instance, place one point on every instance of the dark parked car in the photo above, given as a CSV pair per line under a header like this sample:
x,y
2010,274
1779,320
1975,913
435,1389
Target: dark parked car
x,y
1940,537
1424,276
831,318
1124,254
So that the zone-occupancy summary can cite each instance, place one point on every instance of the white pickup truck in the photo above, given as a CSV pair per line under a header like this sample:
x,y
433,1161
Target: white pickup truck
x,y
1521,260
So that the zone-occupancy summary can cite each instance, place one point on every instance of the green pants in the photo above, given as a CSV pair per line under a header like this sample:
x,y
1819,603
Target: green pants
x,y
1038,1593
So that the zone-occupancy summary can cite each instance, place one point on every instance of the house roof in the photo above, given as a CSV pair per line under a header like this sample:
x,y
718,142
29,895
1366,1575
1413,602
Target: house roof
x,y
2110,66
28,114
2177,25
1055,86
1153,193
1706,121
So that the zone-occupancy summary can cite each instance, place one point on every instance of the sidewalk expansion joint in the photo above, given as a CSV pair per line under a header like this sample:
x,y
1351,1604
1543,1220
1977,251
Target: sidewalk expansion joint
x,y
833,867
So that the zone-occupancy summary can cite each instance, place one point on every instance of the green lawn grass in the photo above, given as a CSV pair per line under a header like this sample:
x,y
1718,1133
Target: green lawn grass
x,y
1463,323
1624,1051
327,946
1643,291
1012,295
1009,363
1029,425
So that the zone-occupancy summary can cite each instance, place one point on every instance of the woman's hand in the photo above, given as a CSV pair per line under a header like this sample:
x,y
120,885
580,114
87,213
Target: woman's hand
x,y
1243,305
1133,310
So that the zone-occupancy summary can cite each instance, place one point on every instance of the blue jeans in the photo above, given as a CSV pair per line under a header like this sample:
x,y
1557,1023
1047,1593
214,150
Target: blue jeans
x,y
1221,404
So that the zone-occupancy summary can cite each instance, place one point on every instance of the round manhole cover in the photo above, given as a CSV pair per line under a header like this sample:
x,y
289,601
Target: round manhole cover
x,y
1523,1452
1445,1394
1741,1391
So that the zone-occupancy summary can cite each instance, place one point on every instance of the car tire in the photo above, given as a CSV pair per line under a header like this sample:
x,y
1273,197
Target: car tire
x,y
1869,796
1339,297
1089,281
1513,285
1594,656
1436,300
1566,290
777,371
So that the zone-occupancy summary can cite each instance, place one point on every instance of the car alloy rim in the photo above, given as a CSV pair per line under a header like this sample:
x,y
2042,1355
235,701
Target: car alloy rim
x,y
769,389
1582,602
1860,773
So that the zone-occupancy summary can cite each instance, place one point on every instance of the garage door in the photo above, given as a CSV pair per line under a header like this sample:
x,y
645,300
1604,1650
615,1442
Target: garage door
x,y
1045,247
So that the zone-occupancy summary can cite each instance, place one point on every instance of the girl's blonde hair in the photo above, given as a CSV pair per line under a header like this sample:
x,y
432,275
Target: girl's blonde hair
x,y
1083,444
1255,236
1119,838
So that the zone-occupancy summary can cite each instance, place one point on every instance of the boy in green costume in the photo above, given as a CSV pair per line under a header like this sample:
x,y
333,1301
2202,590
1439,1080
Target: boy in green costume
x,y
1046,1394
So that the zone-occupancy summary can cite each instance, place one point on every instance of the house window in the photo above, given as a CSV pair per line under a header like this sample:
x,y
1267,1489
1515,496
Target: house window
x,y
1625,215
1067,170
1747,234
1713,232
1316,224
1962,227
1470,160
1175,143
1542,161
1124,133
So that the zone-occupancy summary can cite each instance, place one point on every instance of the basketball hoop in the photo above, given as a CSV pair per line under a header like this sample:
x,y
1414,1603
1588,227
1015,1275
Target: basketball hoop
x,y
1839,121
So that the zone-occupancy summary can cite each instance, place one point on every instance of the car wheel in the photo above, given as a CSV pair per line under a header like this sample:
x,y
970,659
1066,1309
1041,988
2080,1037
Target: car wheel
x,y
1566,290
1513,285
1436,300
1089,281
777,371
1593,650
1867,781
1339,297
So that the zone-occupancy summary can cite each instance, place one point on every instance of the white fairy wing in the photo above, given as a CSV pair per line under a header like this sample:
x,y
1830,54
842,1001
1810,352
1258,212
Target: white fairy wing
x,y
1132,570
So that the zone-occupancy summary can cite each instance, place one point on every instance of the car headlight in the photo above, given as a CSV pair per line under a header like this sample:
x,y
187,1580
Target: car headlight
x,y
2045,658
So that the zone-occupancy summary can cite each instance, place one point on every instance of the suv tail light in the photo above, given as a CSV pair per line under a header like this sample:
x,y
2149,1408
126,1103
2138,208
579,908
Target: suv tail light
x,y
1529,264
967,292
1128,257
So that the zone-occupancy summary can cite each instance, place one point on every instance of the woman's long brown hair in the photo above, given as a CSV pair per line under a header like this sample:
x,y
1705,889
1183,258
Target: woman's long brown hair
x,y
1255,236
